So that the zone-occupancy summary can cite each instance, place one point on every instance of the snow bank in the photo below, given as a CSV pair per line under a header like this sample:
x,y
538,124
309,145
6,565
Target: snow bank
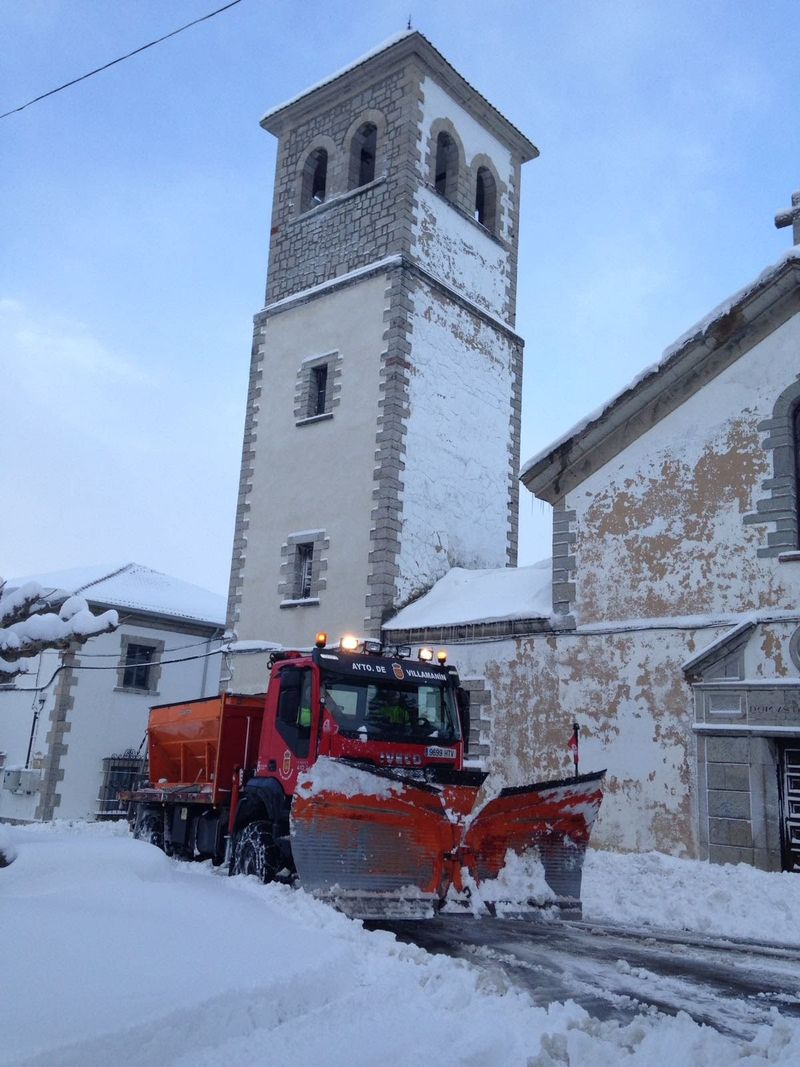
x,y
464,596
8,850
521,879
725,901
121,956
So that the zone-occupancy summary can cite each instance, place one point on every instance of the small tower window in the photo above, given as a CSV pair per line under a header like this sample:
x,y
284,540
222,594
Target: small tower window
x,y
362,155
486,199
319,390
303,570
446,176
315,176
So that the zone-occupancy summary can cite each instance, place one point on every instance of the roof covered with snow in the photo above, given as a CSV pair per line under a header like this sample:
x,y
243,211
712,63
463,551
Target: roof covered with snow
x,y
407,42
553,471
135,587
468,596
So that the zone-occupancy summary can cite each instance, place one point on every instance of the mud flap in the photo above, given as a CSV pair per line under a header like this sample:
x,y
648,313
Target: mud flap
x,y
378,844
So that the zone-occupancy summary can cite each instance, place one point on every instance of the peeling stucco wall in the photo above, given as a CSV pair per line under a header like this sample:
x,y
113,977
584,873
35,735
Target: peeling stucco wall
x,y
660,529
628,694
768,653
452,247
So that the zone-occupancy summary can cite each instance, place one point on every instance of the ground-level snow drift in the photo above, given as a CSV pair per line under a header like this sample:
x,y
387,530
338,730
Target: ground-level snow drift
x,y
724,901
115,954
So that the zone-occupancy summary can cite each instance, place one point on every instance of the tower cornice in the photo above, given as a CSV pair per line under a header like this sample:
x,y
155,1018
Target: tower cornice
x,y
391,54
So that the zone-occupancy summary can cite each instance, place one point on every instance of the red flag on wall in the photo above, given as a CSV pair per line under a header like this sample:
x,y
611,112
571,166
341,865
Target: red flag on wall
x,y
572,745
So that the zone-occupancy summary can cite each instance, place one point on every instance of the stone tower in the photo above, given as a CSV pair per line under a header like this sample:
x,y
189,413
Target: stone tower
x,y
381,441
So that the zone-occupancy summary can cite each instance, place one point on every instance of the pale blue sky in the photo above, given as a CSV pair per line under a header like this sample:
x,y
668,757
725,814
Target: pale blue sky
x,y
134,213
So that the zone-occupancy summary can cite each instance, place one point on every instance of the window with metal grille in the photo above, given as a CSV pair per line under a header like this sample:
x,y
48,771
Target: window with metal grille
x,y
319,390
120,772
304,569
138,666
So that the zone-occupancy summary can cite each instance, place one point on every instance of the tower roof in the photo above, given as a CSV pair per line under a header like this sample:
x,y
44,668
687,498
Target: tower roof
x,y
390,52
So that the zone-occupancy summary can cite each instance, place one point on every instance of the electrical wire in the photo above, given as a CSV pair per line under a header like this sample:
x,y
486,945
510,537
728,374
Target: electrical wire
x,y
176,648
120,59
224,651
98,667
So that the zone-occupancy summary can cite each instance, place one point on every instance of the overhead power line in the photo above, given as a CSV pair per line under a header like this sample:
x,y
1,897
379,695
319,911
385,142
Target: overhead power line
x,y
135,52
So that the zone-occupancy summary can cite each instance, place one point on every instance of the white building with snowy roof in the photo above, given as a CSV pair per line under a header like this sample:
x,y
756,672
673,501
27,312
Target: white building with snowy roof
x,y
670,630
71,728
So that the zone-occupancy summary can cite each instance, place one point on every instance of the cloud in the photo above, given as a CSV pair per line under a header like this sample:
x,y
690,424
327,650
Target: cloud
x,y
61,376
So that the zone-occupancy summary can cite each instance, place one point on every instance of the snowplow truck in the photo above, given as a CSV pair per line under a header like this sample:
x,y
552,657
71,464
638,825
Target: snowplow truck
x,y
348,777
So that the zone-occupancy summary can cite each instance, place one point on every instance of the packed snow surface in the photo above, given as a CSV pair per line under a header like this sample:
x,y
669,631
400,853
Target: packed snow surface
x,y
465,596
116,954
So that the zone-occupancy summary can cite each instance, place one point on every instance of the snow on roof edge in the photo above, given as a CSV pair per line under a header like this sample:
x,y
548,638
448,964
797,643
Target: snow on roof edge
x,y
382,47
136,587
466,597
694,333
377,50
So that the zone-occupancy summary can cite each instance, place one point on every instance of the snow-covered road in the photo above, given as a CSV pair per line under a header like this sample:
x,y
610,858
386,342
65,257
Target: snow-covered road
x,y
617,972
112,953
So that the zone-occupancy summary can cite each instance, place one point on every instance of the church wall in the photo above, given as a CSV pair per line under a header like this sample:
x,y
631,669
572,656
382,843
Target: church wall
x,y
628,694
475,140
775,651
315,476
455,248
660,531
462,382
447,240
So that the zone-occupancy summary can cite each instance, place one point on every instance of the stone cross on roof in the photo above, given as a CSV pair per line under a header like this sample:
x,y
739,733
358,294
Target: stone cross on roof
x,y
791,218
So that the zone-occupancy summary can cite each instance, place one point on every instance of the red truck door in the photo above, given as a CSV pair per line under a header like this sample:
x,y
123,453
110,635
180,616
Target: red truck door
x,y
290,723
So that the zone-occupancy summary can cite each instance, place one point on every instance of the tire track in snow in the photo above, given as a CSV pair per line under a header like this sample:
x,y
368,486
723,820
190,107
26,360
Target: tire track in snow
x,y
616,972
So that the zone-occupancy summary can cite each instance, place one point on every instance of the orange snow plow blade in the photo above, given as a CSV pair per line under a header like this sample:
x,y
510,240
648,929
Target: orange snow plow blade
x,y
379,843
555,818
373,844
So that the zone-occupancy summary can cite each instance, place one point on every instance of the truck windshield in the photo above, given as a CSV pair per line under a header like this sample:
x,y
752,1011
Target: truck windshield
x,y
391,711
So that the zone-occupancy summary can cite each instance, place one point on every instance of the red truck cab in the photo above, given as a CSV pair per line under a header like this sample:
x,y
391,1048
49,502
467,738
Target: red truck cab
x,y
388,712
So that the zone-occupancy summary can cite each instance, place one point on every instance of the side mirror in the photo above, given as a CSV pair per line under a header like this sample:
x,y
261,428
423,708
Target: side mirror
x,y
462,702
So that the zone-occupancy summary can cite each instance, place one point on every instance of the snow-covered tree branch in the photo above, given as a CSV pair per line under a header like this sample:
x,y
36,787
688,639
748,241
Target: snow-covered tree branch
x,y
29,625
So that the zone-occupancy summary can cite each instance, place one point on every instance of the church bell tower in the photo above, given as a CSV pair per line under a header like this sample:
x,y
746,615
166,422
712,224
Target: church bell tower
x,y
381,441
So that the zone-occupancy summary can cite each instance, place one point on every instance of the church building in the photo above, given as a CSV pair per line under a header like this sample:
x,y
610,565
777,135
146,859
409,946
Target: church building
x,y
380,473
386,373
673,633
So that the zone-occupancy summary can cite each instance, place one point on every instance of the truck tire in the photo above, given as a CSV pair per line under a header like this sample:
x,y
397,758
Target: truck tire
x,y
254,852
149,827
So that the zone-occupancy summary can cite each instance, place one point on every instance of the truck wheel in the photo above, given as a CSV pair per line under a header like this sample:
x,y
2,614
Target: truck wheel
x,y
149,826
254,852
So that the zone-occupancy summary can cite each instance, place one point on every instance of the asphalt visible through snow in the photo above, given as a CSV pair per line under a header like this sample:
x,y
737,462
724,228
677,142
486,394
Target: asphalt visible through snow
x,y
616,972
